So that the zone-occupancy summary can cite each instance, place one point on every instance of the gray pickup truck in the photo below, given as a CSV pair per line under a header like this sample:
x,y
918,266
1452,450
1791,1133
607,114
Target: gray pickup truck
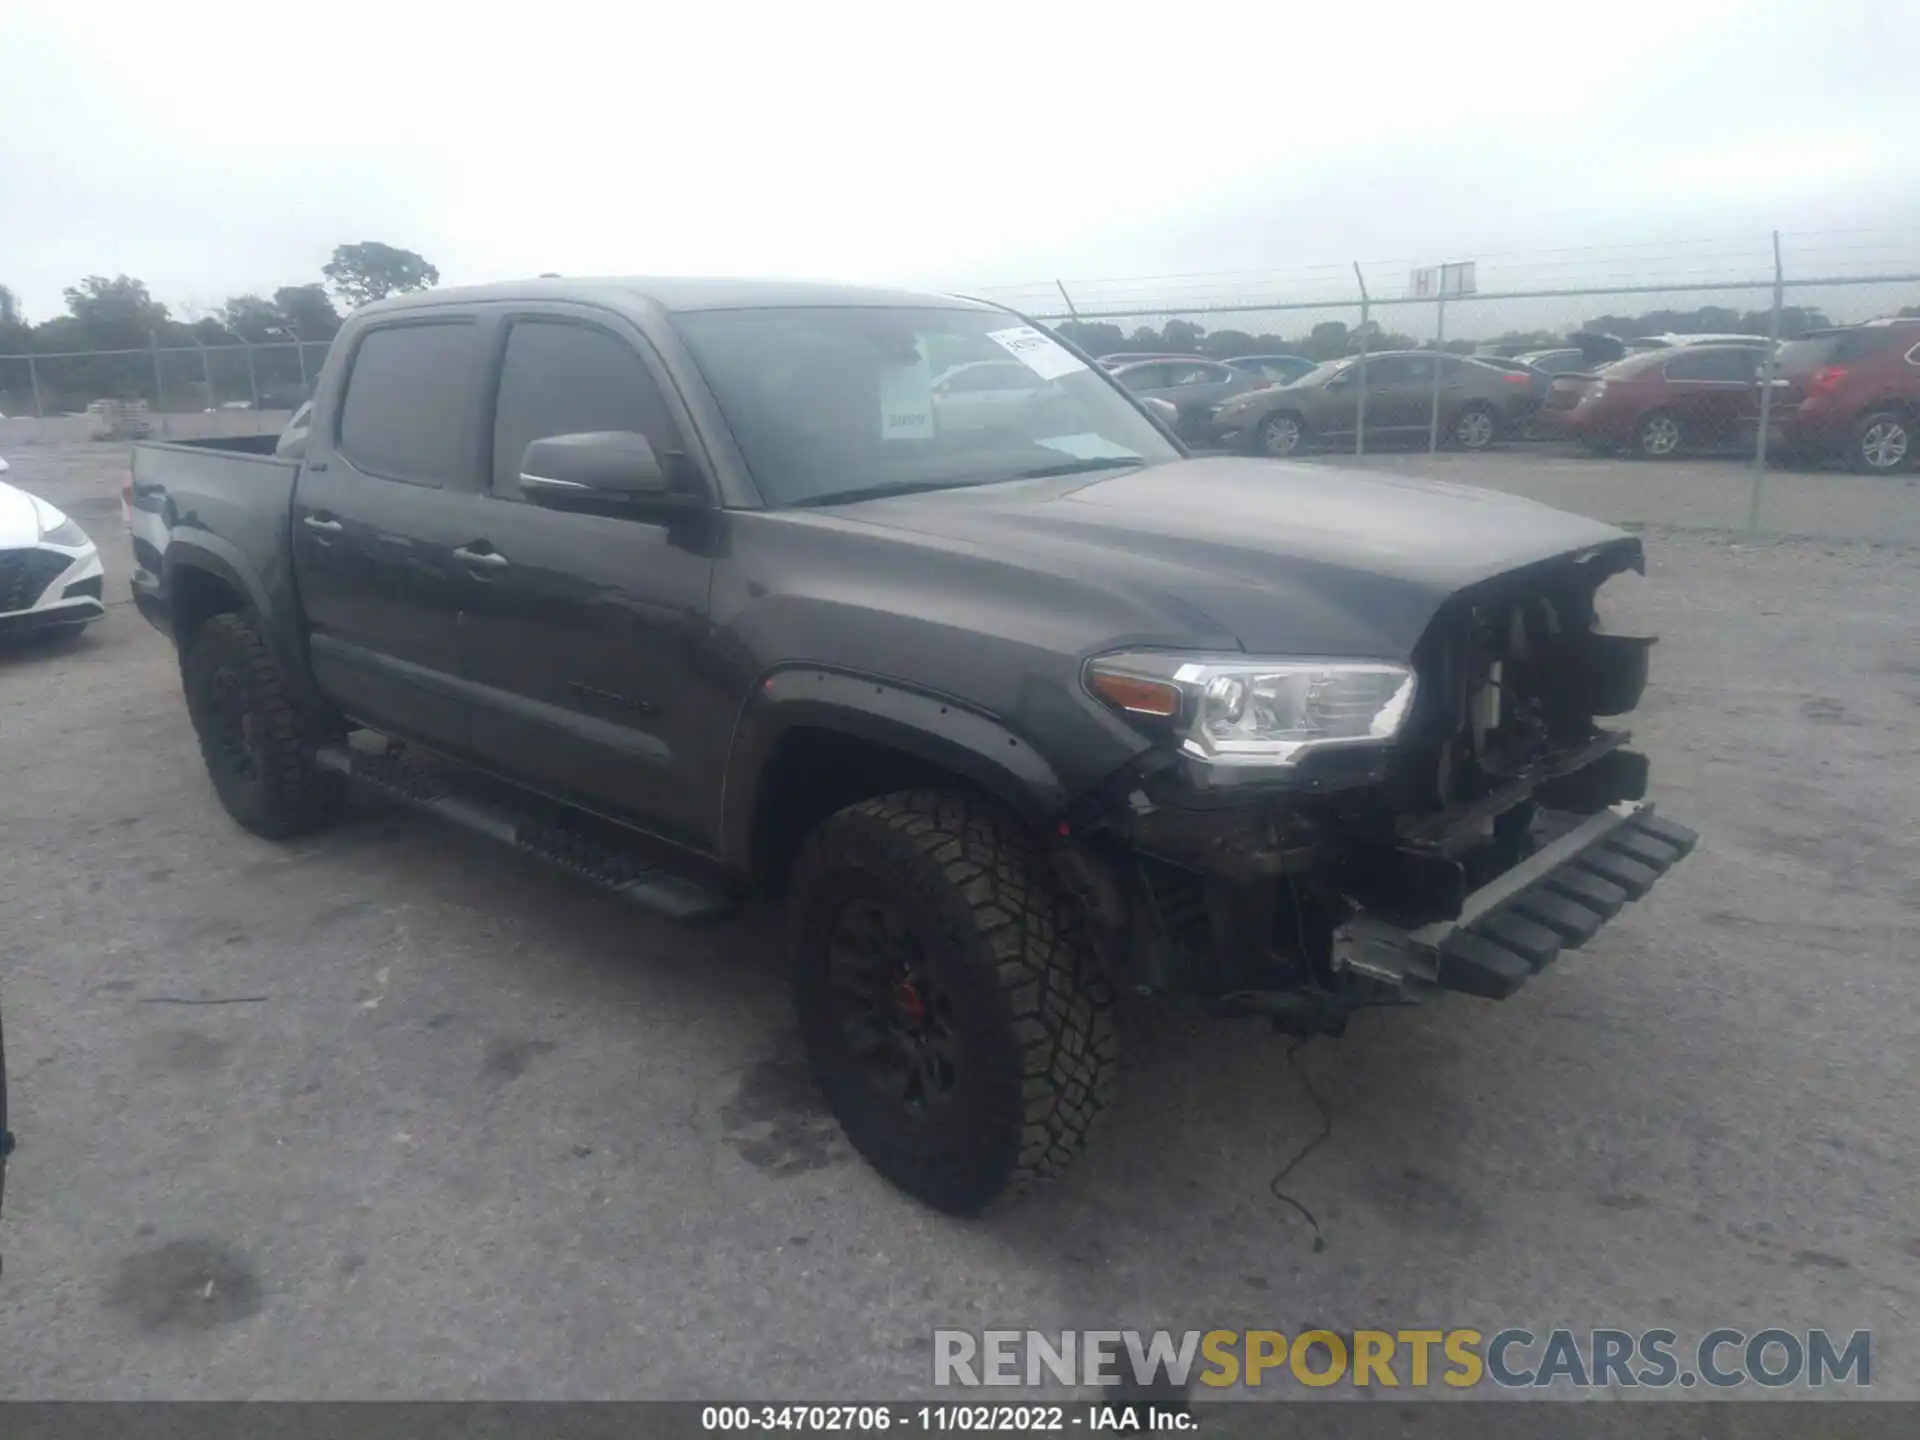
x,y
703,588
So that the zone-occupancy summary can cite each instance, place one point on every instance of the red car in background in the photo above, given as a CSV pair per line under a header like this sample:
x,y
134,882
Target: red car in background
x,y
1853,392
1660,402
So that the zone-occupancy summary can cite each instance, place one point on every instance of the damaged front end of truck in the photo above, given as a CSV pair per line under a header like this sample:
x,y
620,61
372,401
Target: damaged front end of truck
x,y
1307,837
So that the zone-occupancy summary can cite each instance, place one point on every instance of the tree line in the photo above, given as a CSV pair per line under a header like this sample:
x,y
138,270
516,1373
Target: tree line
x,y
1335,340
191,361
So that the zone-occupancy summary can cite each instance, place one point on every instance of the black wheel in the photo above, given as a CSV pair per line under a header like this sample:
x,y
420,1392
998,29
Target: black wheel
x,y
1475,428
1280,434
1659,436
258,742
953,1016
1882,443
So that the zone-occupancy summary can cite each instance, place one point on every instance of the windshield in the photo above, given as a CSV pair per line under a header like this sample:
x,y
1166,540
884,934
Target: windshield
x,y
833,403
1320,374
1802,357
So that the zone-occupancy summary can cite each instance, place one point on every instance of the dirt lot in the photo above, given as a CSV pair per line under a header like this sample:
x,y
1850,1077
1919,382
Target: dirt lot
x,y
465,1129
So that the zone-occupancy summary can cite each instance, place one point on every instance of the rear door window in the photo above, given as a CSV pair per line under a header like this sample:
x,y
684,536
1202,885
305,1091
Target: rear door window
x,y
409,401
1198,375
1724,363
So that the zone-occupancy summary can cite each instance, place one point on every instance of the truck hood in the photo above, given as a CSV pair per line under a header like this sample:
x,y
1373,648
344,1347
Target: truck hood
x,y
1284,558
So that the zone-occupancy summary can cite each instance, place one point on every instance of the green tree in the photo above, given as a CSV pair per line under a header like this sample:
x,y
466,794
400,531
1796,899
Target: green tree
x,y
1329,341
1096,337
1226,344
252,319
1183,336
115,314
9,308
306,310
369,271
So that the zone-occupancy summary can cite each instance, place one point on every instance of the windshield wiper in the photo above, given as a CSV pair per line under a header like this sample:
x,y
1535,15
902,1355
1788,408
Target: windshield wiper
x,y
915,487
1080,467
879,492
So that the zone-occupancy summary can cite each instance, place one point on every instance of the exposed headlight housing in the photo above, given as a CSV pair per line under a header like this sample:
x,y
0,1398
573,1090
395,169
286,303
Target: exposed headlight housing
x,y
1234,711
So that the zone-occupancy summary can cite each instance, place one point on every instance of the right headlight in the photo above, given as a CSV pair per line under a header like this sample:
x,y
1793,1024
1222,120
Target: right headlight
x,y
66,533
1235,711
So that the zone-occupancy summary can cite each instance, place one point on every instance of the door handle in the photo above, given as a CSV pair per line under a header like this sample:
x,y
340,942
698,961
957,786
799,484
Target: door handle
x,y
481,559
324,526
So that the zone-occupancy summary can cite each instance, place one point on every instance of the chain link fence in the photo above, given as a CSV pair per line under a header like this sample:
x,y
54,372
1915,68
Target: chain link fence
x,y
1721,467
189,390
1710,458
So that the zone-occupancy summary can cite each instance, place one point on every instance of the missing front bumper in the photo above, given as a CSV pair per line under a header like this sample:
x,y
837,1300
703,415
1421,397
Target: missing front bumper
x,y
1516,925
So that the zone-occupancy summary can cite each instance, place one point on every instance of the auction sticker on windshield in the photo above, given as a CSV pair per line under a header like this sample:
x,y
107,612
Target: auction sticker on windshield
x,y
1039,353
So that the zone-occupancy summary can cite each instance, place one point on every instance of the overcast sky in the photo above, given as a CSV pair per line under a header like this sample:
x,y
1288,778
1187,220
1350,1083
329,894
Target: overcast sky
x,y
213,150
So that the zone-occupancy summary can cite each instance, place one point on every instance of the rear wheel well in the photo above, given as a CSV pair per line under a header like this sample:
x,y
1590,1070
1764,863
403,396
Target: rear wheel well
x,y
816,772
199,595
1906,409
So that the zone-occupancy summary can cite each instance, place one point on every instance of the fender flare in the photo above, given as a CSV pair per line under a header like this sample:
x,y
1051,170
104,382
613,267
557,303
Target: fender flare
x,y
203,551
937,729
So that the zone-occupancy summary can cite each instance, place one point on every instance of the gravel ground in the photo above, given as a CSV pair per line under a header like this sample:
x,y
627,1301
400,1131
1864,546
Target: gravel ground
x,y
468,1130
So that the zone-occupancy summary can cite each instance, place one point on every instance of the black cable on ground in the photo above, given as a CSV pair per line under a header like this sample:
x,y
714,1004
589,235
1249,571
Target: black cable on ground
x,y
6,1135
1326,1133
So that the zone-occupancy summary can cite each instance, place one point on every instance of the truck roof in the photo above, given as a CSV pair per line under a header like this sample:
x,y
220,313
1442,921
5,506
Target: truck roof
x,y
676,294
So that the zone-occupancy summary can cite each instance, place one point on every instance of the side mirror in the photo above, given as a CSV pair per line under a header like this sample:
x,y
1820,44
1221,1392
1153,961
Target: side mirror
x,y
598,470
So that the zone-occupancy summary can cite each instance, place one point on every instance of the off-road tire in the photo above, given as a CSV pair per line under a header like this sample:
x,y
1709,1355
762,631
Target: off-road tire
x,y
229,673
1032,1015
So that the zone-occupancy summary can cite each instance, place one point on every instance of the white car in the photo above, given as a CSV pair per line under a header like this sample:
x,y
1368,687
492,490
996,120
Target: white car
x,y
50,575
976,394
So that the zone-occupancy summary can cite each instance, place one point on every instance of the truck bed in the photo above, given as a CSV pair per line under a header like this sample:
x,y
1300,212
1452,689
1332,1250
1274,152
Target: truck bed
x,y
229,498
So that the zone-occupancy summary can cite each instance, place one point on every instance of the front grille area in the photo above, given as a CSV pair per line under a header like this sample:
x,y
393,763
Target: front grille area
x,y
1475,726
25,573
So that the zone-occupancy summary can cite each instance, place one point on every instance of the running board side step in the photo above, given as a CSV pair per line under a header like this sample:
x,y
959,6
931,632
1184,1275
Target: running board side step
x,y
626,874
1517,924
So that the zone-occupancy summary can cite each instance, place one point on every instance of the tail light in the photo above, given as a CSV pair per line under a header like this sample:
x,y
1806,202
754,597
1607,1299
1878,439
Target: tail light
x,y
1826,380
1513,379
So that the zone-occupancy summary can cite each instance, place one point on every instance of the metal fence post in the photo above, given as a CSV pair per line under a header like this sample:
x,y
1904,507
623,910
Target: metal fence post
x,y
39,410
1360,411
206,373
159,385
300,354
253,380
1439,349
1768,372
